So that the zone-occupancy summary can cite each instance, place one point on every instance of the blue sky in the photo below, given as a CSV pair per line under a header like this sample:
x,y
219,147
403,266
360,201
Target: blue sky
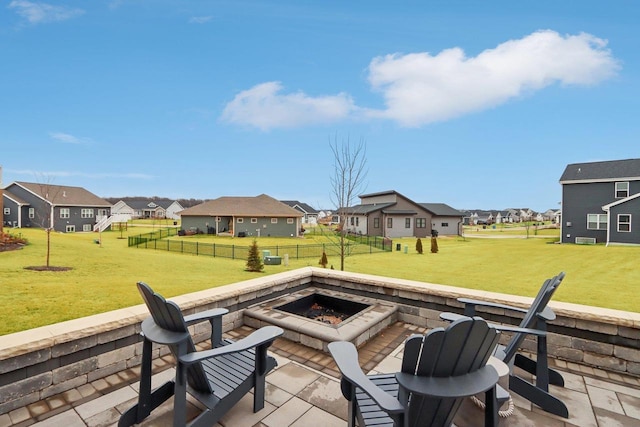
x,y
473,104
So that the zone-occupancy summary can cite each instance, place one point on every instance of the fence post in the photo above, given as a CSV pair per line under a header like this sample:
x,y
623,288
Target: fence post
x,y
168,246
233,251
181,246
197,248
214,250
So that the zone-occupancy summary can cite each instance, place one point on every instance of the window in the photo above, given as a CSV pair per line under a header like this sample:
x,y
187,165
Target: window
x,y
64,213
596,221
86,227
7,211
274,220
254,220
389,222
376,222
624,223
421,222
70,228
444,224
622,190
352,220
289,220
86,213
32,213
357,221
407,223
240,220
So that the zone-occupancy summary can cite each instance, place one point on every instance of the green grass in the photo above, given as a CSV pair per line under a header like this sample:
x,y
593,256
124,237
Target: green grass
x,y
103,277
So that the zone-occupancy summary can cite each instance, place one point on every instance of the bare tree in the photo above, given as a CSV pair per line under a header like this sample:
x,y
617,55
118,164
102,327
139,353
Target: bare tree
x,y
45,218
347,182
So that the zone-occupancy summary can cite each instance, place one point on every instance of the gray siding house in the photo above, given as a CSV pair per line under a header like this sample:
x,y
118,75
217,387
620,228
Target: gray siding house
x,y
63,208
310,214
387,214
445,220
243,216
600,201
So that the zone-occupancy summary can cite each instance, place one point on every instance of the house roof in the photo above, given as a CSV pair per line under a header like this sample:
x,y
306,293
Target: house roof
x,y
441,209
143,203
62,195
366,209
613,170
381,193
302,206
621,201
9,195
259,206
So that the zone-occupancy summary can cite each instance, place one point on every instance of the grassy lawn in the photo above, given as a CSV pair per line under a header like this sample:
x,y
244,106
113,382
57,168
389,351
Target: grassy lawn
x,y
103,276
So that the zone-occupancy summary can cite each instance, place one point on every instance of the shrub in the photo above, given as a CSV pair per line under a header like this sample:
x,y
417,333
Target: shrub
x,y
434,245
419,246
254,262
323,260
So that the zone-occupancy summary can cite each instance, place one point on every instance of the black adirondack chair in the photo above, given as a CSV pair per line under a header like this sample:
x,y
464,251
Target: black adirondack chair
x,y
218,377
534,323
438,370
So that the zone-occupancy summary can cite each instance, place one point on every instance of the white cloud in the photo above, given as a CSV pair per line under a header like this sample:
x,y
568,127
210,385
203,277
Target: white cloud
x,y
67,138
200,19
420,88
38,13
103,175
264,107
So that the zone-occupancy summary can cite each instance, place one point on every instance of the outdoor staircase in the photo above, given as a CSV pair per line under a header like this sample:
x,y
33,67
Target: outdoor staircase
x,y
106,221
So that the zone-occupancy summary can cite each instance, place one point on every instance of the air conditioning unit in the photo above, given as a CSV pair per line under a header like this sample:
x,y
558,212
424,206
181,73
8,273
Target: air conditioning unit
x,y
585,240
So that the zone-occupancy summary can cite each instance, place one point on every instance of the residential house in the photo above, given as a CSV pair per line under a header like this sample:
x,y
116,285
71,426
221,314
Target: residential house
x,y
387,214
148,208
445,220
243,216
599,201
62,208
310,214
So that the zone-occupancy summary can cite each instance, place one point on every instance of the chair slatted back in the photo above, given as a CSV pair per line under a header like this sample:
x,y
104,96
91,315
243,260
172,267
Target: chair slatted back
x,y
168,316
463,347
531,317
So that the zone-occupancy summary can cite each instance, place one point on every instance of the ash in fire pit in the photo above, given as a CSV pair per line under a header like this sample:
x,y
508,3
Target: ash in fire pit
x,y
323,308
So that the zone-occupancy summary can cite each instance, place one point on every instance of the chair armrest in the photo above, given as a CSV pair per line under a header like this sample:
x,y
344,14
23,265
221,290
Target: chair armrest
x,y
205,315
469,301
528,331
451,317
450,387
156,334
264,335
547,314
346,357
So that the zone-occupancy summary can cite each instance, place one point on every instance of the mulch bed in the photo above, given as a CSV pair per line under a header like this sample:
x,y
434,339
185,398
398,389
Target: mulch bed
x,y
45,268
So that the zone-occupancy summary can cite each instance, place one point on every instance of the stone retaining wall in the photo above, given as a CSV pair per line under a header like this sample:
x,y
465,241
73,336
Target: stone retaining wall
x,y
43,362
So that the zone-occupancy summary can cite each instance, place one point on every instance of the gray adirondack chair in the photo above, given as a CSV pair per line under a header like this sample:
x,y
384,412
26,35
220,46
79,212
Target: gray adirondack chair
x,y
438,370
218,377
533,323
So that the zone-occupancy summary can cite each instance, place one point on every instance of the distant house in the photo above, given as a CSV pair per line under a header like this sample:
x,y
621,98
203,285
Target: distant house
x,y
62,208
600,201
243,216
310,214
390,214
148,208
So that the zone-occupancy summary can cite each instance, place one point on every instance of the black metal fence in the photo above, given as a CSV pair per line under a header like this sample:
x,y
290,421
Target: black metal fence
x,y
158,240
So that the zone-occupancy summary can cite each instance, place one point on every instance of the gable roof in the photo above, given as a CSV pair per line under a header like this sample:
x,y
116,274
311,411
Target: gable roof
x,y
365,209
62,195
441,209
259,206
619,202
143,203
302,206
17,200
613,170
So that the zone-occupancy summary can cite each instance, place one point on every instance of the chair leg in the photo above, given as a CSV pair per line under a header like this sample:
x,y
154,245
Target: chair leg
x,y
531,366
147,401
180,398
491,408
536,395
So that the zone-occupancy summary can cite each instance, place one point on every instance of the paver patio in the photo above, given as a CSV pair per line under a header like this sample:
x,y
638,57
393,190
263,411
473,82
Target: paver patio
x,y
304,391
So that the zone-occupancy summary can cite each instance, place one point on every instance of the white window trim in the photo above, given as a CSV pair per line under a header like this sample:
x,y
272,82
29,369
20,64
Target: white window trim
x,y
32,213
65,213
598,222
240,220
7,211
619,222
289,220
616,190
254,220
274,220
70,229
